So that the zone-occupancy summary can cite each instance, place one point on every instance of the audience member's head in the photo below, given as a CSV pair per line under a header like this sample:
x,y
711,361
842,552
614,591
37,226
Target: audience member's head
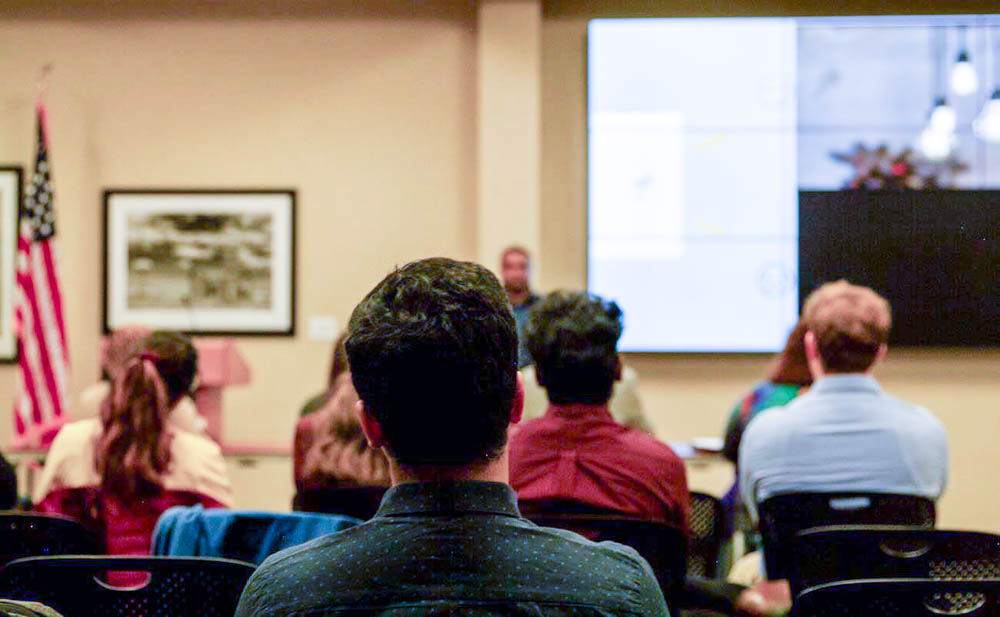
x,y
791,366
341,456
848,326
134,450
433,355
573,338
121,346
515,270
338,364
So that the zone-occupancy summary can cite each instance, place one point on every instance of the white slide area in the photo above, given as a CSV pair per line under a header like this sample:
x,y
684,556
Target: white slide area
x,y
693,196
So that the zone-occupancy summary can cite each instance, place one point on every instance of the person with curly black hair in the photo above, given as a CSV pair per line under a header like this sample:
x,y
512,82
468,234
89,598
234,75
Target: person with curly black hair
x,y
577,452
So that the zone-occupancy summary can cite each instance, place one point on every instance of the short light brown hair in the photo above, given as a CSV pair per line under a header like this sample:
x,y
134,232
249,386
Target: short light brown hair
x,y
850,323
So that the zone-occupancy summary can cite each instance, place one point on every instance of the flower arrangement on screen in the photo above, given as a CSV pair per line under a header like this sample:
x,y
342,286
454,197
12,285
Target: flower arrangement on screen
x,y
878,168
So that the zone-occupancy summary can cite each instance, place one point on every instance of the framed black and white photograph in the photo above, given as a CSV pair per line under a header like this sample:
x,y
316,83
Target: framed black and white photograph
x,y
202,262
10,210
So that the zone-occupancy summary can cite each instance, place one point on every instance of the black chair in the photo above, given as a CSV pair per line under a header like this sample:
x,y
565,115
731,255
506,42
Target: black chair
x,y
783,516
706,538
663,546
25,534
360,502
176,586
842,553
901,598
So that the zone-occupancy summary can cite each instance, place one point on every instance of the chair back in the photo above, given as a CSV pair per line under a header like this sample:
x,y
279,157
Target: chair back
x,y
247,535
663,546
176,586
707,527
783,516
841,553
360,502
26,534
901,598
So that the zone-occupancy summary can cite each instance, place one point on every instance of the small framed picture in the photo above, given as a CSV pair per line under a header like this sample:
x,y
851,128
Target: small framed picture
x,y
203,262
10,216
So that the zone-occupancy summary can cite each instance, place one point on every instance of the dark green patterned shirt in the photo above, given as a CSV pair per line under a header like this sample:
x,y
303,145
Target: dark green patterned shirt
x,y
453,549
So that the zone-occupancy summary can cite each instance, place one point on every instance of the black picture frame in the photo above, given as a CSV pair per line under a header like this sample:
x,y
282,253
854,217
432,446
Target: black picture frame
x,y
11,194
206,262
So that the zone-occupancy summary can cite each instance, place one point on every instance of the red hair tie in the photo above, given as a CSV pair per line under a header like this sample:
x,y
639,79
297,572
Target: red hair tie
x,y
148,355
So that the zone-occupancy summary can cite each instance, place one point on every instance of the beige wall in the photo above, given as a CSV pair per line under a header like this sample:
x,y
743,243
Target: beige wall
x,y
371,114
371,120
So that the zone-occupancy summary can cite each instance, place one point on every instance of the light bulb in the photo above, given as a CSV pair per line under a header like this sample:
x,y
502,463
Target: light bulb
x,y
943,117
964,80
986,126
936,144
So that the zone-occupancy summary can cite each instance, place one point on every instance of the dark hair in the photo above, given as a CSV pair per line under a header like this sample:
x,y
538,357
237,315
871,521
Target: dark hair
x,y
573,338
850,323
790,365
133,450
433,355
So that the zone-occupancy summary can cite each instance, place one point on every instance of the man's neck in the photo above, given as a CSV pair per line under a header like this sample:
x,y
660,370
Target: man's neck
x,y
518,298
490,471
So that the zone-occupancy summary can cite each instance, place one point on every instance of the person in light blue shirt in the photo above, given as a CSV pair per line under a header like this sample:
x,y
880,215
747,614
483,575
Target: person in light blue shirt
x,y
846,433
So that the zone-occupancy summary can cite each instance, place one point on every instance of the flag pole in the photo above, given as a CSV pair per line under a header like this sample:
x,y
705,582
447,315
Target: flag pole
x,y
42,85
43,356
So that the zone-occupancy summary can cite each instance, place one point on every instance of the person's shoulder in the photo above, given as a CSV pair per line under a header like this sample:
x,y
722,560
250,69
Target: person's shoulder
x,y
527,441
913,417
327,549
73,433
527,431
276,586
192,446
533,425
776,420
609,565
73,443
572,542
639,442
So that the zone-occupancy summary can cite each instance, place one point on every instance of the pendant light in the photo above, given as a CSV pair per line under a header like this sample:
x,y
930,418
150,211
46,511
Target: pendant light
x,y
937,140
964,80
986,126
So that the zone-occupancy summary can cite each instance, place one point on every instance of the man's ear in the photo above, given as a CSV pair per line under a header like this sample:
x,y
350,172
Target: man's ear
x,y
618,367
517,406
813,358
369,426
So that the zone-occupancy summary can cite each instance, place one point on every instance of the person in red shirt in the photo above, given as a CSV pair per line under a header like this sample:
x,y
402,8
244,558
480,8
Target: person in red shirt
x,y
118,472
576,452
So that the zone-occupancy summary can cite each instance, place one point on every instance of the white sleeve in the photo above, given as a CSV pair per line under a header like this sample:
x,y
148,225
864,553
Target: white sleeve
x,y
69,461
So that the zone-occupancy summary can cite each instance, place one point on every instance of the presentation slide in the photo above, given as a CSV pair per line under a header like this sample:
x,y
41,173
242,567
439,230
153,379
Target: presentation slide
x,y
693,187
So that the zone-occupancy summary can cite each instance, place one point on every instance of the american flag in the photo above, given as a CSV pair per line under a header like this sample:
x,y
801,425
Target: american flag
x,y
43,358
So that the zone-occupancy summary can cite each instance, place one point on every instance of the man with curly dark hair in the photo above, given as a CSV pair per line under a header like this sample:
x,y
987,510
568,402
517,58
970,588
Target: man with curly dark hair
x,y
577,452
433,355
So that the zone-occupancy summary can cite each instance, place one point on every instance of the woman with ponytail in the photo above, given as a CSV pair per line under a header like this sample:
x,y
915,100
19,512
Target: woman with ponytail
x,y
120,471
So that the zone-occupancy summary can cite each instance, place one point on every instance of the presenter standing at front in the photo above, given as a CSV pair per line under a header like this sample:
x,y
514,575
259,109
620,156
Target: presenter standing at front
x,y
515,272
